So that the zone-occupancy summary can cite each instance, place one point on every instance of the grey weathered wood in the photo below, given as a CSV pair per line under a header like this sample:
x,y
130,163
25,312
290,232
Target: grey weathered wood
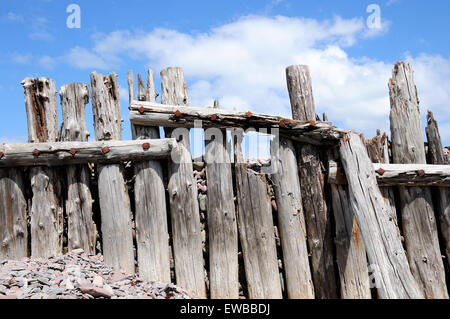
x,y
256,230
436,156
81,230
411,175
418,218
59,153
184,210
222,223
152,233
13,215
385,252
291,221
46,213
300,93
114,199
154,114
312,182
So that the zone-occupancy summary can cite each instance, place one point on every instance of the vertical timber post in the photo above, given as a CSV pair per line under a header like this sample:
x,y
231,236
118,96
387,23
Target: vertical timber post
x,y
418,218
436,156
184,209
312,182
81,230
114,199
46,205
152,234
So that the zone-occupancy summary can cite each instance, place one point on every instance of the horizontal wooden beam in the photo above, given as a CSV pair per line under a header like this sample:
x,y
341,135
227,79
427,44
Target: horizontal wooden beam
x,y
399,174
154,114
69,153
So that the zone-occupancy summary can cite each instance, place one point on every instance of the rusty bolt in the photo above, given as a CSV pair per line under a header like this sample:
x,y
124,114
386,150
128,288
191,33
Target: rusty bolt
x,y
249,114
381,171
146,146
36,152
141,110
213,117
342,134
312,123
105,150
421,172
177,113
282,123
73,151
1,155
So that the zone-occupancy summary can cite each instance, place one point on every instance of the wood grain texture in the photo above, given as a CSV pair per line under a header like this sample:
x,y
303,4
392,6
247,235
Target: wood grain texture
x,y
113,193
417,211
81,230
256,230
184,209
46,213
152,233
291,221
385,252
222,220
13,215
300,92
436,156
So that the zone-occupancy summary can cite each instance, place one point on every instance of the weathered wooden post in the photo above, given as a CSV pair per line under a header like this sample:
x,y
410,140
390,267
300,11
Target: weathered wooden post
x,y
388,263
152,234
46,205
13,215
222,223
114,199
256,229
418,218
81,230
291,222
184,210
436,156
312,182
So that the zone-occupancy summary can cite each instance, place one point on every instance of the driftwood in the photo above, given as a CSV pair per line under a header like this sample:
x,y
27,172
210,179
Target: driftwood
x,y
81,230
184,209
46,213
256,230
13,215
152,233
222,223
388,263
436,156
411,175
418,218
61,153
312,181
291,221
114,200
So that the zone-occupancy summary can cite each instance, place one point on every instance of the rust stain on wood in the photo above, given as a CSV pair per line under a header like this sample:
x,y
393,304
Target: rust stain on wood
x,y
177,113
142,110
214,117
355,232
36,152
146,146
73,151
105,150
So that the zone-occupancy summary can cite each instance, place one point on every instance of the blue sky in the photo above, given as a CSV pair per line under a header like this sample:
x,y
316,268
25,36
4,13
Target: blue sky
x,y
235,51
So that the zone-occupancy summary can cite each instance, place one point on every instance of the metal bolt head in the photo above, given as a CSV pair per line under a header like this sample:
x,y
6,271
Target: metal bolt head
x,y
177,113
36,152
381,171
249,114
73,151
146,146
421,172
141,110
105,150
282,123
213,117
312,123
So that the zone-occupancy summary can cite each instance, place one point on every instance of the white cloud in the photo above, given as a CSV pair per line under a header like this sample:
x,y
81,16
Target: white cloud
x,y
47,62
22,58
243,65
13,17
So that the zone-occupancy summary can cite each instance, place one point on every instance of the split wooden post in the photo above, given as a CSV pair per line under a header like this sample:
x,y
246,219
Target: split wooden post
x,y
291,222
81,230
388,263
184,209
418,218
46,205
13,215
222,223
152,234
256,229
114,199
312,182
436,156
